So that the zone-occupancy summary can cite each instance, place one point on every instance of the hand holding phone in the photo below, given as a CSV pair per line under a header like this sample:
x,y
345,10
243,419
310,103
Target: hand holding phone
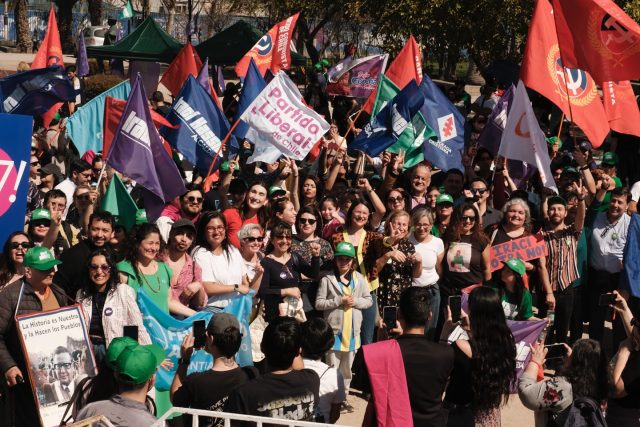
x,y
605,300
199,331
389,316
455,305
130,331
556,351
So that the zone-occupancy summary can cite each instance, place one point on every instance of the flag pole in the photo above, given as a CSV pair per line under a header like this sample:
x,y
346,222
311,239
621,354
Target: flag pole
x,y
566,87
561,122
224,141
351,127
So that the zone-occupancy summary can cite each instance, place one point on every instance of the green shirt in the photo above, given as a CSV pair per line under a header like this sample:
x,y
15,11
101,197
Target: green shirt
x,y
516,310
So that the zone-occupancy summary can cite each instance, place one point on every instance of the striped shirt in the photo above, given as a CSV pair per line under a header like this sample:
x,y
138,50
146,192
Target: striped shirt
x,y
562,258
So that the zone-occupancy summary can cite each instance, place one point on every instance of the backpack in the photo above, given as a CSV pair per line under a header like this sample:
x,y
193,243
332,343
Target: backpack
x,y
583,412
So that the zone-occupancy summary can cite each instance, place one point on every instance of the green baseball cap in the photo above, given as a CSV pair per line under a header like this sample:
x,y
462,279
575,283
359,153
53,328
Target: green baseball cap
x,y
553,140
345,249
40,258
141,216
609,159
134,363
556,200
116,347
39,214
275,190
444,198
516,265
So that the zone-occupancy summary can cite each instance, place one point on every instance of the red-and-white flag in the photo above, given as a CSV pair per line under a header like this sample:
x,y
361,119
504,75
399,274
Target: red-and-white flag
x,y
186,63
621,107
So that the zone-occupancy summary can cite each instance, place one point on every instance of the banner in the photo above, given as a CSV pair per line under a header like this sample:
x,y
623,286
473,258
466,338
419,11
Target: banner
x,y
621,107
168,333
186,63
50,50
492,133
525,249
59,354
252,85
359,78
15,159
279,113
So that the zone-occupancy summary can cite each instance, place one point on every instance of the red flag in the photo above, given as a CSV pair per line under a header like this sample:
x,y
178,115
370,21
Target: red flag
x,y
113,109
621,107
272,51
405,67
543,72
186,63
597,36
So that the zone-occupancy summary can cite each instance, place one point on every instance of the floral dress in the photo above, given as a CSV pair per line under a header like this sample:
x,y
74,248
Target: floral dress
x,y
394,276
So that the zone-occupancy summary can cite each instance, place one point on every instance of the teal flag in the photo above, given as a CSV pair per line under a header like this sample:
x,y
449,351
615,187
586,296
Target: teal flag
x,y
126,12
118,201
84,127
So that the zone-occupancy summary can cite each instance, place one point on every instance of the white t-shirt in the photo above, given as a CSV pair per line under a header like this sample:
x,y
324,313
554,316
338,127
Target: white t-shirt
x,y
227,268
331,386
429,252
635,192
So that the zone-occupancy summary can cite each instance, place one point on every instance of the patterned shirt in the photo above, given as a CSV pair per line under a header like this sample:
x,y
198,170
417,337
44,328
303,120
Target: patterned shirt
x,y
562,259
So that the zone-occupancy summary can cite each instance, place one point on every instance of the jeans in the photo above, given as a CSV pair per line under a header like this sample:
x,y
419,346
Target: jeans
x,y
430,329
563,311
369,321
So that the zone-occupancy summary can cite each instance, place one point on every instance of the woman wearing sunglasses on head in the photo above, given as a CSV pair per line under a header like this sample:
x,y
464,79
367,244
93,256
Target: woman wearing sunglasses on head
x,y
11,268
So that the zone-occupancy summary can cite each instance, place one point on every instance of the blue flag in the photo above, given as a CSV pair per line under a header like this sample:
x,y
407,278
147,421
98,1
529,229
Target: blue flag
x,y
85,126
387,126
492,132
203,75
82,63
137,152
630,280
202,125
253,85
34,92
447,122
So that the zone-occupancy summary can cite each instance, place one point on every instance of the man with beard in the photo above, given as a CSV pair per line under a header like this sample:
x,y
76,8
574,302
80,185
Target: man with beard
x,y
190,208
562,261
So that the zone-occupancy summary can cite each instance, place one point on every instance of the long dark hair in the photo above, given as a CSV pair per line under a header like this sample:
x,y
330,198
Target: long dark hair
x,y
89,288
139,235
277,207
454,231
263,212
279,228
587,370
201,227
353,206
7,267
319,188
312,210
493,364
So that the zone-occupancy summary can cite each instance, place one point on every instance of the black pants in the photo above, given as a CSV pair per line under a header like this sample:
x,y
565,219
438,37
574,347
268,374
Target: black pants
x,y
602,282
563,311
577,316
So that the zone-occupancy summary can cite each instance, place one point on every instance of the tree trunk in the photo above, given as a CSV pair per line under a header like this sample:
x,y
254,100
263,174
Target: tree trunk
x,y
95,12
146,8
170,20
65,24
23,42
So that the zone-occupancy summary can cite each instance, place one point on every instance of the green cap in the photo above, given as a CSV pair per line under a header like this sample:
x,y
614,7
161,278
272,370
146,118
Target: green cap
x,y
325,62
444,198
609,159
516,265
275,190
134,363
141,216
553,140
40,258
556,200
345,249
317,67
116,347
38,214
570,170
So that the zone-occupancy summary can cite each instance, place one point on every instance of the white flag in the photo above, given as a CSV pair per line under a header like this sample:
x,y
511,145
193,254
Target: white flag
x,y
279,115
523,139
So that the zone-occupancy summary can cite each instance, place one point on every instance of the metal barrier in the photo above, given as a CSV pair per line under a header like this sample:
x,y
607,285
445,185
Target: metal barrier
x,y
228,416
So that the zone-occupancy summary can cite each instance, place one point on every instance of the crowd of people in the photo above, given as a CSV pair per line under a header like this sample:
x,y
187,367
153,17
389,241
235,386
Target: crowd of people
x,y
328,247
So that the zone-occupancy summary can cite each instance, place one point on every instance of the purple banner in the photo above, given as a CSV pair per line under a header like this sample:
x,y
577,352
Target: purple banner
x,y
360,78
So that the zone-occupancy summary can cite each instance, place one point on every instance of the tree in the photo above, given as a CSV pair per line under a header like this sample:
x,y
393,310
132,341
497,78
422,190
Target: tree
x,y
65,24
170,7
23,42
95,11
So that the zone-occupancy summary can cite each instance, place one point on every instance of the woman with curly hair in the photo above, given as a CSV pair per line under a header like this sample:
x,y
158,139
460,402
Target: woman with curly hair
x,y
11,269
486,361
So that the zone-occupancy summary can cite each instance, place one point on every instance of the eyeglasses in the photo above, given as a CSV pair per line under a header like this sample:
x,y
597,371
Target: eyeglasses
x,y
468,218
87,174
394,199
23,245
63,365
215,228
309,221
196,200
478,190
104,267
283,237
252,239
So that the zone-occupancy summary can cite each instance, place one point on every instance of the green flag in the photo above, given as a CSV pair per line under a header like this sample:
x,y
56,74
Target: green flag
x,y
127,11
118,201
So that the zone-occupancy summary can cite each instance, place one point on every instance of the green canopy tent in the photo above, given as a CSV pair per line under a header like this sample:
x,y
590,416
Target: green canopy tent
x,y
230,44
148,42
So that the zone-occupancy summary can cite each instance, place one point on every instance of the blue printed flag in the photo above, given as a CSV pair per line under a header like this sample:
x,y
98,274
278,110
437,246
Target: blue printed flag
x,y
251,88
387,126
34,92
447,122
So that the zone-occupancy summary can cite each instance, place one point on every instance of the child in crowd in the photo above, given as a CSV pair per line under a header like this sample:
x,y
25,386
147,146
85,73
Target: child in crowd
x,y
516,298
332,217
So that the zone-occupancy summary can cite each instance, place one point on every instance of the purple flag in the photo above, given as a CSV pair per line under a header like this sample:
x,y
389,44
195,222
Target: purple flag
x,y
492,133
137,152
203,75
357,77
219,80
337,70
82,63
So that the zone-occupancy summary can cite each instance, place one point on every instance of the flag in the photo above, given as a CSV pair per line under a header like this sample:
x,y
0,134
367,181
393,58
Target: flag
x,y
118,201
34,92
339,69
203,80
85,126
492,132
598,37
542,70
621,107
219,79
405,67
186,63
631,277
272,51
50,51
126,12
202,126
523,139
386,127
251,88
279,113
137,152
444,151
82,63
359,78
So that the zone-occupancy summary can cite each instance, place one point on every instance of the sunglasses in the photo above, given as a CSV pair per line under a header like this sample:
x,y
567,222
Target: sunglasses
x,y
35,163
104,267
42,223
193,199
84,197
252,239
283,237
468,219
309,221
479,190
394,199
23,245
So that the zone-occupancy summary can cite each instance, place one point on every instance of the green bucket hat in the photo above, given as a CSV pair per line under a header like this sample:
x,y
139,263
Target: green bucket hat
x,y
516,265
444,198
134,363
39,214
40,258
345,249
141,217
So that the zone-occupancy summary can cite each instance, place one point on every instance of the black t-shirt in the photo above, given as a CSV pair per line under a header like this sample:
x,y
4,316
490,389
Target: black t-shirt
x,y
427,366
291,396
210,390
459,389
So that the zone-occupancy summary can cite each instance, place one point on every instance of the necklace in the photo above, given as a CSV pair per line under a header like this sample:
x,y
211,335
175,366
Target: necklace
x,y
144,279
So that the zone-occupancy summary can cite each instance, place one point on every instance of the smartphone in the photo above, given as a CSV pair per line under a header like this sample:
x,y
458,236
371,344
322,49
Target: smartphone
x,y
556,351
606,300
199,329
130,331
455,305
390,316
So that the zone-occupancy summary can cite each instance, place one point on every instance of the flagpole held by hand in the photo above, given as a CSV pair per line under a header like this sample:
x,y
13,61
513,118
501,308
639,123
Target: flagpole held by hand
x,y
351,127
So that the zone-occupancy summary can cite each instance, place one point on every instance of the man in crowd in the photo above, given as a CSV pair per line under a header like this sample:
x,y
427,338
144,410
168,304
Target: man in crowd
x,y
68,235
190,208
80,174
453,184
65,373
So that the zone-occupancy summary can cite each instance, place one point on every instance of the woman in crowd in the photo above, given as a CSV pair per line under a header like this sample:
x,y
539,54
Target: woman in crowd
x,y
396,200
253,210
282,270
77,215
251,237
432,196
584,375
431,250
224,270
107,305
11,269
39,226
310,191
356,232
283,210
484,367
516,298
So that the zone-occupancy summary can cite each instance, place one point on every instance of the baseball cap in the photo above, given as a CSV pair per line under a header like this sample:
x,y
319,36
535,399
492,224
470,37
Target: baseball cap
x,y
345,249
39,214
552,141
134,363
141,216
516,265
556,200
570,171
444,198
183,223
220,322
274,191
40,258
50,169
609,159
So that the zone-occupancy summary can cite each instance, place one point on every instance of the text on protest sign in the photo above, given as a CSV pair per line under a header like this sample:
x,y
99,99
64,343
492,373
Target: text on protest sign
x,y
525,249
